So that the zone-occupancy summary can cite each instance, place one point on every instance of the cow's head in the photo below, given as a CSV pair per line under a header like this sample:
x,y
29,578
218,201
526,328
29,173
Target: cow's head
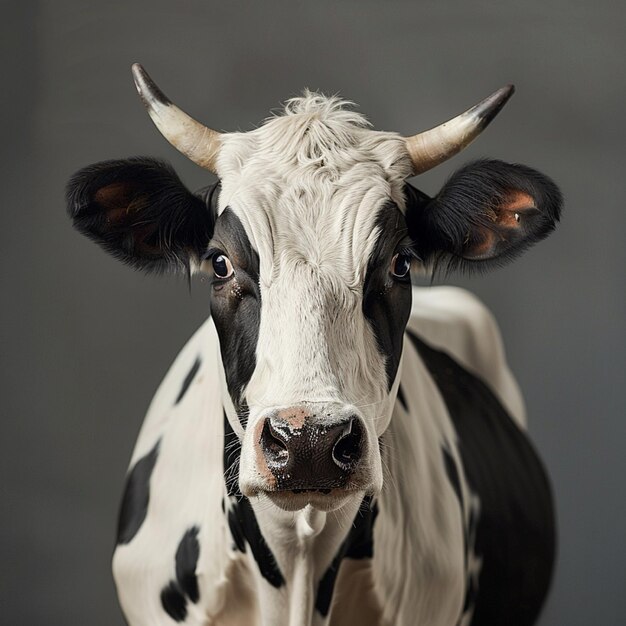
x,y
308,241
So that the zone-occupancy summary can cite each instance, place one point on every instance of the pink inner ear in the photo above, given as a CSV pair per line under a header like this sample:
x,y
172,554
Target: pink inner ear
x,y
506,219
515,204
483,247
113,196
117,200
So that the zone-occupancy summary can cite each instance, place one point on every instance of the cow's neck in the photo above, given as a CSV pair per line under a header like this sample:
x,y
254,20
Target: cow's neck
x,y
305,544
296,553
296,556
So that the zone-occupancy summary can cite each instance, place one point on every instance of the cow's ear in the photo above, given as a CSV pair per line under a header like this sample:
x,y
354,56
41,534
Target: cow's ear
x,y
487,212
139,210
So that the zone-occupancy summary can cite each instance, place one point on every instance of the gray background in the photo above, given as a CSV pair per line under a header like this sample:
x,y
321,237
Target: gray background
x,y
86,340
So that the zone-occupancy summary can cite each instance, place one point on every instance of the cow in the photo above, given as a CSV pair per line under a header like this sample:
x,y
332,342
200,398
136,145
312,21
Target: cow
x,y
333,445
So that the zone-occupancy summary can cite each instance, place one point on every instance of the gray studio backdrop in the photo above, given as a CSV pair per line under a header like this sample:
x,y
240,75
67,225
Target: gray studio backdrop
x,y
86,340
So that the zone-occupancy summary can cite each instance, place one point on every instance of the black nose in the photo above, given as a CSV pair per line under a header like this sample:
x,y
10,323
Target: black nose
x,y
315,455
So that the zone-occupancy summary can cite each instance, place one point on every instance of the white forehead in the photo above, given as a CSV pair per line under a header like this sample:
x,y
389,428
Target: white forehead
x,y
308,184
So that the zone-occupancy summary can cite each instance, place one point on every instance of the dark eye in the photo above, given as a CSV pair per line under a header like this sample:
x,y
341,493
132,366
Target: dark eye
x,y
222,267
401,265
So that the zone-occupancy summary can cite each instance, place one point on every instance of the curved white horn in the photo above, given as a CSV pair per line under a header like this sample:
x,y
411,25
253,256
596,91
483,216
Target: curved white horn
x,y
196,141
438,144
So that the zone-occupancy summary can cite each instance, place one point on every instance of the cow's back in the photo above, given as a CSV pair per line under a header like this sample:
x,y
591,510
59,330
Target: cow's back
x,y
505,498
455,321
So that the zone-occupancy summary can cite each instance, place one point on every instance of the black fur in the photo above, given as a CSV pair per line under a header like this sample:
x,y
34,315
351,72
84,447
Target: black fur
x,y
136,497
242,521
245,529
402,398
188,380
515,527
173,602
359,544
175,594
450,228
138,210
387,300
236,316
187,555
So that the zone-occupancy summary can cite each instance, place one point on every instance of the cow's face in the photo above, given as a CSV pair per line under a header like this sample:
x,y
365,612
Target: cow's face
x,y
310,293
308,242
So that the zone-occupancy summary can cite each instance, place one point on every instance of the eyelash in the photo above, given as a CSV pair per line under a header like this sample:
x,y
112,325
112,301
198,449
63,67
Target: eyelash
x,y
211,252
408,251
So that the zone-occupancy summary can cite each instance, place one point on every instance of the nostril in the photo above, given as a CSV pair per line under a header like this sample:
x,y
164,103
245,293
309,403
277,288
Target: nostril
x,y
347,450
274,448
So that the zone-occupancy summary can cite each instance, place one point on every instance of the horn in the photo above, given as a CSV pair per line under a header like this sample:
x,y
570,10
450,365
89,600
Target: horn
x,y
196,141
438,144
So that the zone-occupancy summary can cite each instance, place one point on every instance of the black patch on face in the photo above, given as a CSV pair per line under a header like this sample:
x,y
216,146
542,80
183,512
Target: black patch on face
x,y
136,497
515,532
174,602
236,312
186,562
188,379
387,300
359,544
242,521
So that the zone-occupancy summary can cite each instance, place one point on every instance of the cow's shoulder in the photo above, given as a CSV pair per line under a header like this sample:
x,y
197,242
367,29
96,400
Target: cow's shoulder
x,y
457,322
192,374
173,541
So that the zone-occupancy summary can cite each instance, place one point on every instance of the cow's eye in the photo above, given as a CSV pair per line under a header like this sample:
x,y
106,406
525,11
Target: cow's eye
x,y
401,265
222,267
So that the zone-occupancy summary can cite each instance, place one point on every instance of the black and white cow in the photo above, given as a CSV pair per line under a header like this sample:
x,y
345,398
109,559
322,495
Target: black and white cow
x,y
332,446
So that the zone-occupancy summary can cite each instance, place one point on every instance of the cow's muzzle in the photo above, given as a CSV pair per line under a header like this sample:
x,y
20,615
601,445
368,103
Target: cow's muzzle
x,y
306,452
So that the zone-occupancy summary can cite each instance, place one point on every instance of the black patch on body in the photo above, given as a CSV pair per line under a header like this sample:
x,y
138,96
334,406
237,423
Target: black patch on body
x,y
236,312
515,532
387,300
359,544
175,594
188,380
136,497
453,476
242,521
186,562
402,398
245,529
173,602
